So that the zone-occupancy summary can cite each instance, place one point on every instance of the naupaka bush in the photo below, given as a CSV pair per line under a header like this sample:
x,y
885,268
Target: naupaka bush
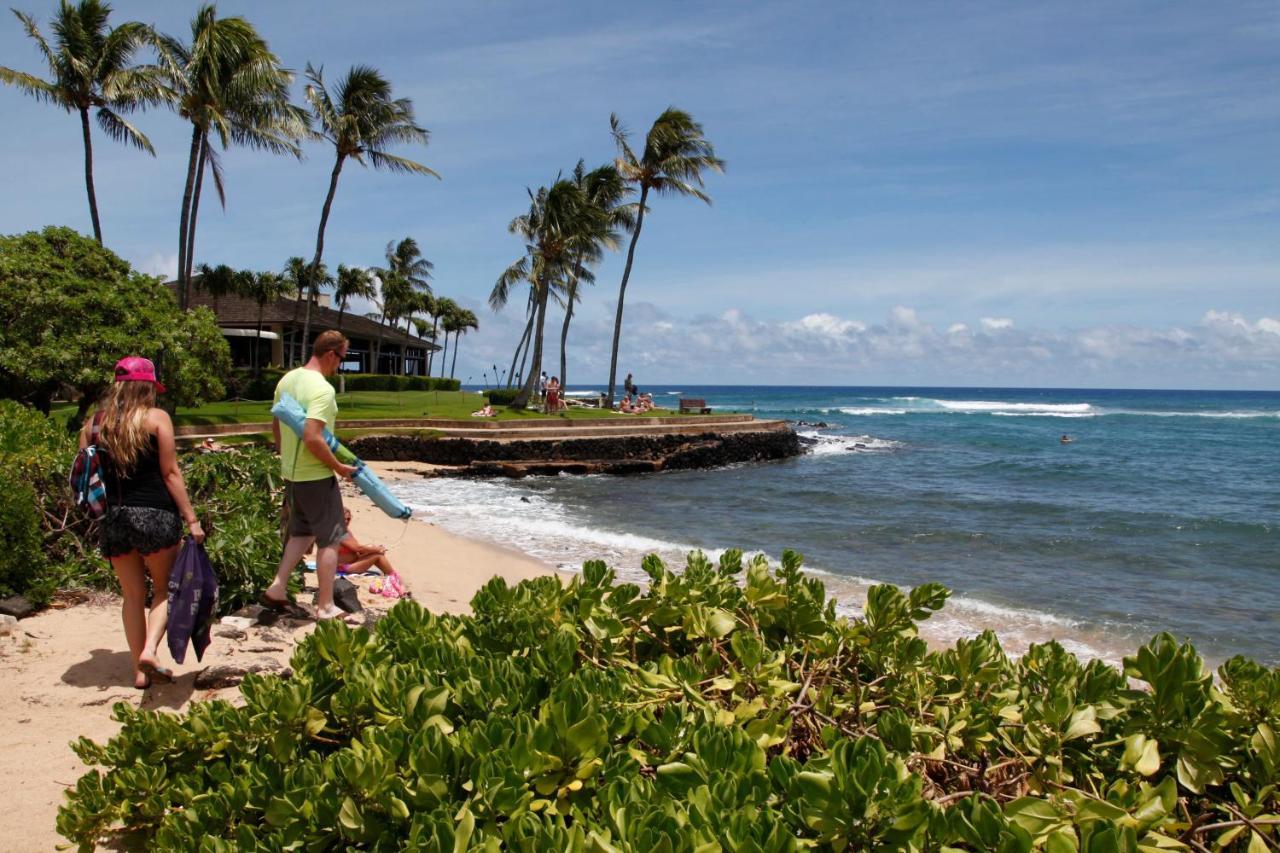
x,y
723,708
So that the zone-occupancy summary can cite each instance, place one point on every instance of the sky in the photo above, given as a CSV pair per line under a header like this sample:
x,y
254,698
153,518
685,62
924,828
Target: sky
x,y
1060,194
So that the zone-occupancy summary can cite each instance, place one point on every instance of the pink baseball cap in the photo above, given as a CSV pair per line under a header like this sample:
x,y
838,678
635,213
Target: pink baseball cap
x,y
135,368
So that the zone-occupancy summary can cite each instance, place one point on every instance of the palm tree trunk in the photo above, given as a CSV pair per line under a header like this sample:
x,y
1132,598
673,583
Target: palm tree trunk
x,y
342,309
444,356
88,175
622,292
515,356
195,209
257,345
184,288
315,264
435,323
522,399
456,336
564,330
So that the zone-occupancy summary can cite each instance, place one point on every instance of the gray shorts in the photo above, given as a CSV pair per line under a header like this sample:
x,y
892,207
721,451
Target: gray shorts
x,y
315,509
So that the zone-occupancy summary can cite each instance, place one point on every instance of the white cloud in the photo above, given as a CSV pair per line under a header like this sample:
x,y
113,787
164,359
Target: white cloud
x,y
826,324
1223,349
160,263
996,324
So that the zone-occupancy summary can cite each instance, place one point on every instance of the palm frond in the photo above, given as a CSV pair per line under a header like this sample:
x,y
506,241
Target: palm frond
x,y
392,163
41,90
120,130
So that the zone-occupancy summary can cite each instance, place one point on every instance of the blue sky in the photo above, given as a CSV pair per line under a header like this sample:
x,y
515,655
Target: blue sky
x,y
1068,194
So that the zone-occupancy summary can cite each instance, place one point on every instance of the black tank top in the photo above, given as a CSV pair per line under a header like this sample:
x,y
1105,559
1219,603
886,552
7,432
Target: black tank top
x,y
143,486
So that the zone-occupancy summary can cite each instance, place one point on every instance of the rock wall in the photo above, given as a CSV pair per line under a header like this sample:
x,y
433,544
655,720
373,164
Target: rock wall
x,y
633,454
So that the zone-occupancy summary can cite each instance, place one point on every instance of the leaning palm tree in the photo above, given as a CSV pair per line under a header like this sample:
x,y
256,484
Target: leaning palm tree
x,y
360,120
230,85
552,232
605,190
464,320
674,156
352,283
91,68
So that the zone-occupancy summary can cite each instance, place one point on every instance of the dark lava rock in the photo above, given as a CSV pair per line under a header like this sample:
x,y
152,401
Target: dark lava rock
x,y
619,455
17,607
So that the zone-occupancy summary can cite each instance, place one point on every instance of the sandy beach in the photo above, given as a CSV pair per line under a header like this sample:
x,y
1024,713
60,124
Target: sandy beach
x,y
65,668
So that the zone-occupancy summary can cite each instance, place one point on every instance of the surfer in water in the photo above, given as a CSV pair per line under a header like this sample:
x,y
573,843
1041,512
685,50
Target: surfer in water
x,y
1066,439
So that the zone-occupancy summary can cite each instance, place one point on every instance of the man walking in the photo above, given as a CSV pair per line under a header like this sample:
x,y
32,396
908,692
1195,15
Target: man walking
x,y
308,467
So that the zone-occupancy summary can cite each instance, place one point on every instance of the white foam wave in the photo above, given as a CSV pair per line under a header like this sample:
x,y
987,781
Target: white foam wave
x,y
826,445
1045,414
581,393
514,515
1000,406
868,410
1231,415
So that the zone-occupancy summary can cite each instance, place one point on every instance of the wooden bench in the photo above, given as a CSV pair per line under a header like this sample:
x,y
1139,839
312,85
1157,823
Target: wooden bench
x,y
692,406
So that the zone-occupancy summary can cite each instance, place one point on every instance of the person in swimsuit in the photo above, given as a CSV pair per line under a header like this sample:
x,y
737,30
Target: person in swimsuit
x,y
553,395
355,558
147,504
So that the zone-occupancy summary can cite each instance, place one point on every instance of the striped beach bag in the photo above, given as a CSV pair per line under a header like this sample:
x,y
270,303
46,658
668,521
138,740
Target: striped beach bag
x,y
87,488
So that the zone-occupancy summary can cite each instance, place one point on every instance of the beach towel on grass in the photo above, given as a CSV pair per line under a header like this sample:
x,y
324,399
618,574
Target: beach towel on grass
x,y
193,600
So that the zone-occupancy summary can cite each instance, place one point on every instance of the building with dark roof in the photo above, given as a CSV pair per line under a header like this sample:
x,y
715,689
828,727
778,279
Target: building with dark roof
x,y
280,342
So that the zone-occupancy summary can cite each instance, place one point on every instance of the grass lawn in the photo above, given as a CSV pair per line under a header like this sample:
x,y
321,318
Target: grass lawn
x,y
376,405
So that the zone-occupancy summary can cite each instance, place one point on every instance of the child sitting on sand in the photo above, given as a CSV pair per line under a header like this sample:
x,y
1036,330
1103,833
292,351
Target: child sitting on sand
x,y
354,558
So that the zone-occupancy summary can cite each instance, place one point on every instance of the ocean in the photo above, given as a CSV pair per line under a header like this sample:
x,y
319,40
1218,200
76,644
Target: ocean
x,y
1161,513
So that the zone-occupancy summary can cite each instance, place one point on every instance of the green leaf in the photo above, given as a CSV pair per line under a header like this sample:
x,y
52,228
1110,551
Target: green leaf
x,y
1033,814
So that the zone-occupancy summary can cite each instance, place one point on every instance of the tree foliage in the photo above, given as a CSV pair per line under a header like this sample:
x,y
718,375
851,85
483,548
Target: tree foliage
x,y
69,309
724,708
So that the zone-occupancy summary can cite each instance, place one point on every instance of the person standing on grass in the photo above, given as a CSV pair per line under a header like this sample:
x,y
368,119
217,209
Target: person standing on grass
x,y
147,503
308,466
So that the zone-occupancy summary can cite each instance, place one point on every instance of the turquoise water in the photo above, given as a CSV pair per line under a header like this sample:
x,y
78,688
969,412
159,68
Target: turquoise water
x,y
1160,514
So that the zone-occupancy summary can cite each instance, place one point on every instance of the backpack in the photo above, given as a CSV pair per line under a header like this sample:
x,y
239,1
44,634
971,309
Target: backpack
x,y
87,489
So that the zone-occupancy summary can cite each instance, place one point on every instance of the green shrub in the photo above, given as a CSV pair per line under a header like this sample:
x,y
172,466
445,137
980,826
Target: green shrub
x,y
724,708
47,542
502,396
237,494
244,384
379,382
22,559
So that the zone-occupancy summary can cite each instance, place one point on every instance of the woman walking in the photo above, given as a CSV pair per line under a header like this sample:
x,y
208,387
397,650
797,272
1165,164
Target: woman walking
x,y
146,505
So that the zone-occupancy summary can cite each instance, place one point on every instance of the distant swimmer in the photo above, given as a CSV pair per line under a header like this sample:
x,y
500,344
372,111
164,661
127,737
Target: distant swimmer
x,y
1066,439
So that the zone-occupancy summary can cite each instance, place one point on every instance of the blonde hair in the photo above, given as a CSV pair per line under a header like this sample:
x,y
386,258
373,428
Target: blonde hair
x,y
124,423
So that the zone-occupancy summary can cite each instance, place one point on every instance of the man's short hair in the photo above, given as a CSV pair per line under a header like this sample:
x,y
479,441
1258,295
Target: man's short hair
x,y
330,341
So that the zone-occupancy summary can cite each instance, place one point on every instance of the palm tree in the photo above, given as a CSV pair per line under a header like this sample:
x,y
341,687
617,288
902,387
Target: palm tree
x,y
552,231
444,317
220,281
464,320
604,189
262,287
229,83
300,281
353,283
360,122
674,157
406,275
91,68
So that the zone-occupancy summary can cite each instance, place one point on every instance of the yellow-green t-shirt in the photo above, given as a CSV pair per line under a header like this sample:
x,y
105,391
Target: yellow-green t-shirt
x,y
317,398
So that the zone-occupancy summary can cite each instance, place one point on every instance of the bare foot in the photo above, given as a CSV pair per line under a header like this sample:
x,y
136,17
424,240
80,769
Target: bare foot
x,y
338,613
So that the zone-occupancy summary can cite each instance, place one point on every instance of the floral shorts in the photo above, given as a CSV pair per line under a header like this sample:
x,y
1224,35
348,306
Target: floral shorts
x,y
139,528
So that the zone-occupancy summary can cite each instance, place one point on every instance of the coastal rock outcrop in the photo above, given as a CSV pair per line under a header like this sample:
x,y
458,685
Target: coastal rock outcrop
x,y
619,455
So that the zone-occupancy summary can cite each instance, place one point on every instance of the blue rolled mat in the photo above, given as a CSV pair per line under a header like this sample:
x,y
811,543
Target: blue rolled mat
x,y
291,414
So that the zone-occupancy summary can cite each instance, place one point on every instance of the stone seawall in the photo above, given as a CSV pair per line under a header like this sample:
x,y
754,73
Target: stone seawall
x,y
626,454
